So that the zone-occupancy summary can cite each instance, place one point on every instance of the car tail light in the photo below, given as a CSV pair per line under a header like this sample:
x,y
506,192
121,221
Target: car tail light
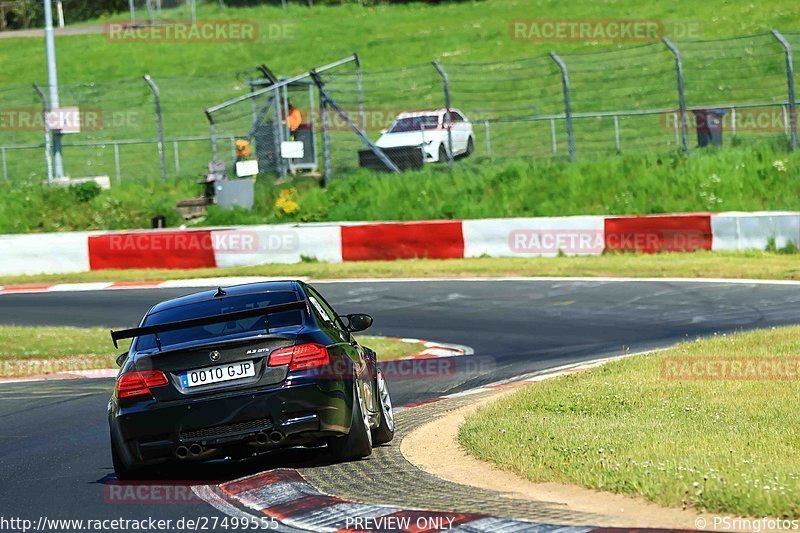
x,y
135,384
300,356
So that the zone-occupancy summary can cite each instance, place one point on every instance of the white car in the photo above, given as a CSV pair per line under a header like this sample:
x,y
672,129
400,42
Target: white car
x,y
429,130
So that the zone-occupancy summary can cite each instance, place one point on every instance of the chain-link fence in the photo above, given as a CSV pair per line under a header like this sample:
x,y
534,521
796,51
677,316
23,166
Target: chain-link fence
x,y
661,96
119,133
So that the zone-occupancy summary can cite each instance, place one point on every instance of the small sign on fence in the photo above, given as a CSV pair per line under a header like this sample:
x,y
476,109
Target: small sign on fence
x,y
246,168
292,150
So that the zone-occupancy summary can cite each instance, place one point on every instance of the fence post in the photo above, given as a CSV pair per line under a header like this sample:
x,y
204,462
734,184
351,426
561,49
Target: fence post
x,y
360,89
177,157
787,49
212,132
48,157
5,168
488,138
116,162
159,124
675,121
446,84
326,142
616,134
681,96
553,140
567,107
277,133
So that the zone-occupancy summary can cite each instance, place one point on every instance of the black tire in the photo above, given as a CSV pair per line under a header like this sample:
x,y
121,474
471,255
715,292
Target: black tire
x,y
470,147
126,473
357,443
385,431
122,472
443,154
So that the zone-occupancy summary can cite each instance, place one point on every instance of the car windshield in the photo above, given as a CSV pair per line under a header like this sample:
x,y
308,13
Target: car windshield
x,y
427,122
219,306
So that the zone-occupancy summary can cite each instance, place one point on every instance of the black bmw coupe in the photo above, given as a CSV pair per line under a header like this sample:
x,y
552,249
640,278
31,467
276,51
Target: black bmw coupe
x,y
241,370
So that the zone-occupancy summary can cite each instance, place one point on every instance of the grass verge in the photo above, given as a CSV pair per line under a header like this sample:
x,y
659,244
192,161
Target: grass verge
x,y
27,351
757,178
741,265
722,445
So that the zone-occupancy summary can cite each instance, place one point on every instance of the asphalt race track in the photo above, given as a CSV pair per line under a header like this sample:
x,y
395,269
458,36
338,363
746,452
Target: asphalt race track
x,y
54,455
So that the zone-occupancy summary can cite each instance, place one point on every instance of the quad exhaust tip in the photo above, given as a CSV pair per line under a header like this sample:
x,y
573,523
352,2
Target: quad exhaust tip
x,y
181,452
195,449
273,437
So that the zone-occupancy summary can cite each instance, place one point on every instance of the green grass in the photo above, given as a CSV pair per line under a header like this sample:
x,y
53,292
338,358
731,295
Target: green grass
x,y
736,265
747,179
388,36
651,177
26,351
718,445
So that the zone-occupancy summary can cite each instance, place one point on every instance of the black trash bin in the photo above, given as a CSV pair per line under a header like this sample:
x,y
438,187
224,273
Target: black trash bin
x,y
709,123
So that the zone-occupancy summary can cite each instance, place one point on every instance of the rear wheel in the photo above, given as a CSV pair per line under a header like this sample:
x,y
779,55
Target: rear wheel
x,y
442,154
385,431
357,443
123,472
470,147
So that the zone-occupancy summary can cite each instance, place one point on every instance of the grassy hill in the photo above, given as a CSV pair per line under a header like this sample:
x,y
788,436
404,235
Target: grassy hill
x,y
97,72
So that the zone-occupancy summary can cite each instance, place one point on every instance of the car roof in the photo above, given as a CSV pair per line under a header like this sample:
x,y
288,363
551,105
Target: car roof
x,y
428,112
232,290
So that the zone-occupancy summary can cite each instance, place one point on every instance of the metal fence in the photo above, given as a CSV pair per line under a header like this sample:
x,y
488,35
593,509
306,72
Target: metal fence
x,y
563,105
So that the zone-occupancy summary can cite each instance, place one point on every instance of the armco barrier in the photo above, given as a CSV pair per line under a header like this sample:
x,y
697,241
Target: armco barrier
x,y
752,231
533,237
152,249
257,245
404,240
55,253
659,233
44,253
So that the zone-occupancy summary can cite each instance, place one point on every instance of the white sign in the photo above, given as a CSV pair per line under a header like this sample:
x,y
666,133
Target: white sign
x,y
246,168
64,119
292,150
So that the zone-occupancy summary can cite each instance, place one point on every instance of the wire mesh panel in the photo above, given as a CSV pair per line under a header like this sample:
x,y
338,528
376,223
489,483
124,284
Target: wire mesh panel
x,y
621,100
125,110
514,98
749,71
371,101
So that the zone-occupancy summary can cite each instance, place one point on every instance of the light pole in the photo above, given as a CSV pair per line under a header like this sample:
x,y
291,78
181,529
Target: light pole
x,y
52,81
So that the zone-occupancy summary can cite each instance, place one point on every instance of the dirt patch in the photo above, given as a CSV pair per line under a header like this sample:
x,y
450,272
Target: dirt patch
x,y
434,448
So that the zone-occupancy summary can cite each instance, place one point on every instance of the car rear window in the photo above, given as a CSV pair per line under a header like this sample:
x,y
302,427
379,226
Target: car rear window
x,y
219,306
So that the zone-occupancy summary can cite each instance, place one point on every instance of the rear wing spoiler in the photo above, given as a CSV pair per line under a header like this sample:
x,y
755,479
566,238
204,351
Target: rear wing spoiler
x,y
203,321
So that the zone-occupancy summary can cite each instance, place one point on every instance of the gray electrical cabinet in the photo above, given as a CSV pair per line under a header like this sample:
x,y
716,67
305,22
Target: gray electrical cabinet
x,y
235,193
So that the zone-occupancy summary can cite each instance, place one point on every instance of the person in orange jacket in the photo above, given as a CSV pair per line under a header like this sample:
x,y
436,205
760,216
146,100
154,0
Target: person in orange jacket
x,y
294,120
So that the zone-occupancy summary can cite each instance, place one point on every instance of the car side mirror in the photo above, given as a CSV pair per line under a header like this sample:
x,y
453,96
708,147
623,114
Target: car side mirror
x,y
121,358
358,322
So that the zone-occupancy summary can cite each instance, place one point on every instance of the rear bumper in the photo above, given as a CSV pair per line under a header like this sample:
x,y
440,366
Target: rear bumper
x,y
303,413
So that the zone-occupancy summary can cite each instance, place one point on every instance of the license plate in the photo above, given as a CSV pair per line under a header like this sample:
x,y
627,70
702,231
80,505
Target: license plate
x,y
216,374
